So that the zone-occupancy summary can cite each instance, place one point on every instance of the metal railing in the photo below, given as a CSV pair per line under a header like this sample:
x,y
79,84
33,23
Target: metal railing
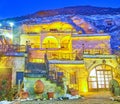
x,y
55,45
63,56
97,51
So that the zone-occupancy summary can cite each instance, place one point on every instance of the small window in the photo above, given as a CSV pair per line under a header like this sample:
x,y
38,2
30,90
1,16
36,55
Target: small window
x,y
73,78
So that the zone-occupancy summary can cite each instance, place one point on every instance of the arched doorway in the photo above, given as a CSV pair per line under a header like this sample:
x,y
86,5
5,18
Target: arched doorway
x,y
100,77
50,42
65,42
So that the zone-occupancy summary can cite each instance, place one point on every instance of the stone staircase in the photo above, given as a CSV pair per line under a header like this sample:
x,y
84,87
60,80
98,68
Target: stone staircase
x,y
39,68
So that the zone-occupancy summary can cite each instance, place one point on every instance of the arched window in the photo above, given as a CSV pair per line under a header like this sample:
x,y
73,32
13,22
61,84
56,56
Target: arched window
x,y
99,77
50,42
65,42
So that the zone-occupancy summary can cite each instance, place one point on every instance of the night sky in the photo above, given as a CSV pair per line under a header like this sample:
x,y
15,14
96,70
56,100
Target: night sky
x,y
13,8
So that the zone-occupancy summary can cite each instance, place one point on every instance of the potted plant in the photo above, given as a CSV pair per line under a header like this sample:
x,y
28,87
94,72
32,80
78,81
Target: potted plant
x,y
59,92
50,93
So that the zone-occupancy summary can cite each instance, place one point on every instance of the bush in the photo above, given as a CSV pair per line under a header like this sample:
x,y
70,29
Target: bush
x,y
6,92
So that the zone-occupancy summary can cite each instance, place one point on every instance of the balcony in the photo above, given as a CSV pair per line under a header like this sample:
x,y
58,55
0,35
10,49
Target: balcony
x,y
97,51
37,55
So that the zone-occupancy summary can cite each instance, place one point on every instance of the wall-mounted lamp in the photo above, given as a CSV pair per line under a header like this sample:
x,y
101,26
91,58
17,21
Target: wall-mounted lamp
x,y
103,61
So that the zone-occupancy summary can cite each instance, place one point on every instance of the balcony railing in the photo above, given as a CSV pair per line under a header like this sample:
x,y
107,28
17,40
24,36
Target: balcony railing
x,y
97,51
60,54
75,55
63,56
55,45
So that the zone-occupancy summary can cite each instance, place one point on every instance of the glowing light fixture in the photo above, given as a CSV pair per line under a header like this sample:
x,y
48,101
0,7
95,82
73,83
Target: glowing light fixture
x,y
0,24
11,24
9,35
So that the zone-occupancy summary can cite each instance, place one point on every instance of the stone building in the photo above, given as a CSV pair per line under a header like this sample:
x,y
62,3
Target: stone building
x,y
86,60
56,50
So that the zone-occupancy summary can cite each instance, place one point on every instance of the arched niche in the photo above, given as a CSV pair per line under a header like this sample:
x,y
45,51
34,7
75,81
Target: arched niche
x,y
50,42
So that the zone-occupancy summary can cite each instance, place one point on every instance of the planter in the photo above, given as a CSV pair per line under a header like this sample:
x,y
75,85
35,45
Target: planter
x,y
50,95
38,87
24,95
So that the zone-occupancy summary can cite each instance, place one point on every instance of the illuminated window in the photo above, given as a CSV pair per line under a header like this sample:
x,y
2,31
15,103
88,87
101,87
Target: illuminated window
x,y
99,77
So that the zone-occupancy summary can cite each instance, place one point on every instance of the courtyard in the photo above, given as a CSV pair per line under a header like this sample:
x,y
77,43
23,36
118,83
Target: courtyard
x,y
102,97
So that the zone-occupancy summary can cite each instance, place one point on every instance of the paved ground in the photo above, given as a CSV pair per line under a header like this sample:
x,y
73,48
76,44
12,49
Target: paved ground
x,y
89,98
79,101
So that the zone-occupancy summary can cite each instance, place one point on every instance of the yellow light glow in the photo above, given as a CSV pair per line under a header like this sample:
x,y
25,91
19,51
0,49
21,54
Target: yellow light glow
x,y
4,65
37,60
85,90
84,86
